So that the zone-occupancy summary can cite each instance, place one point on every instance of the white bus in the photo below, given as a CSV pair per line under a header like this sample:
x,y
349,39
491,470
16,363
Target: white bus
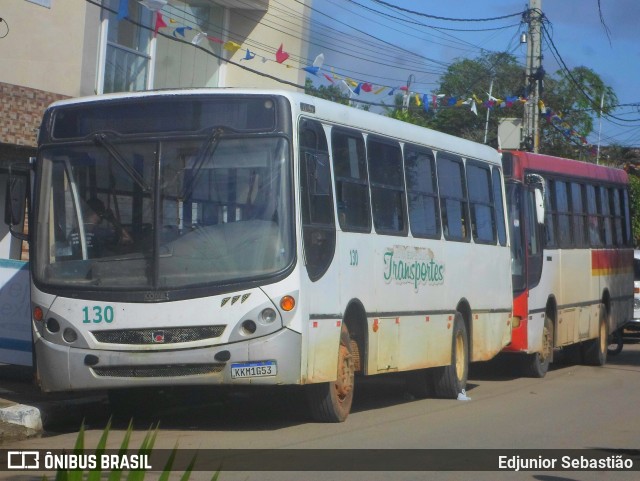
x,y
247,237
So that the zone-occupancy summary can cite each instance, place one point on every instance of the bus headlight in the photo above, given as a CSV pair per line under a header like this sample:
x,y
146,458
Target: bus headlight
x,y
268,315
248,327
69,335
52,325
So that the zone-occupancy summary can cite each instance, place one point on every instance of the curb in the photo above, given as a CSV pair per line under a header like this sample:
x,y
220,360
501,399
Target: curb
x,y
36,417
22,415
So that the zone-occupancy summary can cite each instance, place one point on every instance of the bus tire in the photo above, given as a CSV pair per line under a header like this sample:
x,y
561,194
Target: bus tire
x,y
537,364
330,402
419,383
594,352
616,343
449,381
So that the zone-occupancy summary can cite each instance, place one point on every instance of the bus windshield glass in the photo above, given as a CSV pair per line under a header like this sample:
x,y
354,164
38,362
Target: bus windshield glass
x,y
164,212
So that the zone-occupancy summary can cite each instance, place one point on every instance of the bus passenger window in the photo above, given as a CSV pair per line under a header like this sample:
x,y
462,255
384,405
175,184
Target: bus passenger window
x,y
595,238
422,192
453,198
563,214
481,204
498,202
318,225
352,189
387,186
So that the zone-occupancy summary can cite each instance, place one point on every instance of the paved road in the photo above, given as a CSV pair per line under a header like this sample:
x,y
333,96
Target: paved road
x,y
574,407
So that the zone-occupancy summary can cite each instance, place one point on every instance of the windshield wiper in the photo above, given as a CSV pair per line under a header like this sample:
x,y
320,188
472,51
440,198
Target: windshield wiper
x,y
208,148
102,140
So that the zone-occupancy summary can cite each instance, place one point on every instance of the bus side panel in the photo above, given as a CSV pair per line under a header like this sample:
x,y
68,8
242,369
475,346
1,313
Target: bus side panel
x,y
547,290
485,341
613,271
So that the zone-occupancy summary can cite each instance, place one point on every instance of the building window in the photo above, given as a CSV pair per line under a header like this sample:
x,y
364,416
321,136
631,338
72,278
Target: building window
x,y
126,50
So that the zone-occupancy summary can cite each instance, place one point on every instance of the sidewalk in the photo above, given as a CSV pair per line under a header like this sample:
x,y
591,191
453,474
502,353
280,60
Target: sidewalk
x,y
25,411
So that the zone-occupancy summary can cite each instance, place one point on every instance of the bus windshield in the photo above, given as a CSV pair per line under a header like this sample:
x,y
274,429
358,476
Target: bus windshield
x,y
164,213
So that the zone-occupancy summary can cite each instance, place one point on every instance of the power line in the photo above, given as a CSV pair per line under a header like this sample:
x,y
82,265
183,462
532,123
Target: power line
x,y
435,17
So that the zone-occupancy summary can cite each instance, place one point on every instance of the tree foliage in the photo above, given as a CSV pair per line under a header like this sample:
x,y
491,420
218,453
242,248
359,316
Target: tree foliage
x,y
575,96
329,93
634,200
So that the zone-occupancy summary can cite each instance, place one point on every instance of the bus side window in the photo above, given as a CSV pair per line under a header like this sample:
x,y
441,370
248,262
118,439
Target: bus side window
x,y
352,186
579,215
453,198
318,224
595,239
627,216
563,214
607,233
387,186
498,203
550,217
422,192
617,216
483,218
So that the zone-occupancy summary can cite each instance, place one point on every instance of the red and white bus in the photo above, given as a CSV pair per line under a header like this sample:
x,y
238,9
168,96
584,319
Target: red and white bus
x,y
572,258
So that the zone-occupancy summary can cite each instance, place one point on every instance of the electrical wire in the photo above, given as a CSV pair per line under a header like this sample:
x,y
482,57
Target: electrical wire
x,y
435,17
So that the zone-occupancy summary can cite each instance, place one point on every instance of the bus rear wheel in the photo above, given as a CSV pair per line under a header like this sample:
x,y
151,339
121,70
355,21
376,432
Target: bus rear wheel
x,y
537,364
449,381
330,402
594,352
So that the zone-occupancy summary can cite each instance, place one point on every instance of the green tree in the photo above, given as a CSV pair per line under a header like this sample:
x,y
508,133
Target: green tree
x,y
495,72
576,97
634,199
331,92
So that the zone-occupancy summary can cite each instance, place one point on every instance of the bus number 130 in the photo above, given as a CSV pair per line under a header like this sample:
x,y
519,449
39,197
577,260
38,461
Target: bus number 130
x,y
99,314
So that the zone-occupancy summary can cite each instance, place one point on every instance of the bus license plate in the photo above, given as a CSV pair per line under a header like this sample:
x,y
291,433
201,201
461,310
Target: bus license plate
x,y
253,369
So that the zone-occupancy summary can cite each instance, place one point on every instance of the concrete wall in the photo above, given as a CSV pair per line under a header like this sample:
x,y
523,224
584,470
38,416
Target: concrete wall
x,y
260,28
47,48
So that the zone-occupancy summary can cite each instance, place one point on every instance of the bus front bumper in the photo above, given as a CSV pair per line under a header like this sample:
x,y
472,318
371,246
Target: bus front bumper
x,y
269,360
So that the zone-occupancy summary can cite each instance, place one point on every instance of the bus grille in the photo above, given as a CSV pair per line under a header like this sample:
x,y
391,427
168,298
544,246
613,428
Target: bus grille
x,y
171,335
177,370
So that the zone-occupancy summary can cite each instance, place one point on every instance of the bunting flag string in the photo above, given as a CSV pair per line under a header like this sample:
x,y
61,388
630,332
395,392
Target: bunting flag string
x,y
426,101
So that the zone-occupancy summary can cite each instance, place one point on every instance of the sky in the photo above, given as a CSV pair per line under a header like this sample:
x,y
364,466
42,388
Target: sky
x,y
368,41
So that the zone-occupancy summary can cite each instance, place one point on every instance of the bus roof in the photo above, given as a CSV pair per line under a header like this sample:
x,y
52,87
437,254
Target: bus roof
x,y
326,110
568,167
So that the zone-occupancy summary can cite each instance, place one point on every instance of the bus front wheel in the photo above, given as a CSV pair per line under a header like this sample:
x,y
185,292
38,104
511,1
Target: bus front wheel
x,y
449,381
330,402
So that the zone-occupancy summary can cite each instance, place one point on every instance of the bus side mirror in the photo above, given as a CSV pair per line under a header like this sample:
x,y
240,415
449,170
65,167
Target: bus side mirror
x,y
540,212
539,184
16,201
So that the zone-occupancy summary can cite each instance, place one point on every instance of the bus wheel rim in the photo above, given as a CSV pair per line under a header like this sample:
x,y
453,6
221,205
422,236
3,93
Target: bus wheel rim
x,y
460,354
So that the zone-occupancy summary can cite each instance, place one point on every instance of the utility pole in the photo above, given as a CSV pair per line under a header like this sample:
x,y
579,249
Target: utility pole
x,y
535,75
